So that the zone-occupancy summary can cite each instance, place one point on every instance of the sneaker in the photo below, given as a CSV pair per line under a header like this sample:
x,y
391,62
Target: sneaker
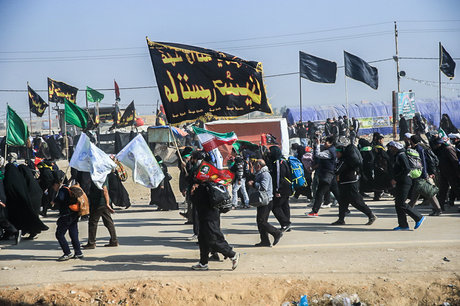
x,y
277,238
193,238
399,228
371,220
335,204
235,261
183,214
326,205
88,246
338,222
419,223
263,244
312,214
77,256
200,267
286,228
17,236
111,244
65,257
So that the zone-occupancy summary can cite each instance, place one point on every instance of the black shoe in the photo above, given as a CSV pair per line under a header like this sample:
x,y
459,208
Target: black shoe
x,y
435,213
88,246
277,238
183,214
286,228
348,212
338,222
188,222
371,220
263,244
214,257
111,244
77,256
376,199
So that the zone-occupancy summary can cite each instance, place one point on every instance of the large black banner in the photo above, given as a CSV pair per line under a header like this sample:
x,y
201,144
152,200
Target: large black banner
x,y
36,103
196,82
359,70
58,91
447,64
317,69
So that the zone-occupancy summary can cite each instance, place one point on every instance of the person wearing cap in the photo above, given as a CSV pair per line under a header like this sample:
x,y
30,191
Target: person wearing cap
x,y
406,139
403,128
416,144
403,183
348,180
449,170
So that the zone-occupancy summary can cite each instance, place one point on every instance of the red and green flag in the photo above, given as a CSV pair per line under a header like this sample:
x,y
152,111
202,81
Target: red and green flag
x,y
211,140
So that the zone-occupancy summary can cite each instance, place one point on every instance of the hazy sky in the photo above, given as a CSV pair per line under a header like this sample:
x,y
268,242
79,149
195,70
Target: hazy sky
x,y
94,42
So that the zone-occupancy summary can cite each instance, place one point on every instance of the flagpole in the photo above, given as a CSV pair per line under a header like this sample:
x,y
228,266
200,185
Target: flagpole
x,y
66,143
439,81
6,137
30,113
49,118
300,95
346,96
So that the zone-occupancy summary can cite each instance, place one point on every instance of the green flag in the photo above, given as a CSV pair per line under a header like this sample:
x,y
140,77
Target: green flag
x,y
239,145
93,95
75,115
16,131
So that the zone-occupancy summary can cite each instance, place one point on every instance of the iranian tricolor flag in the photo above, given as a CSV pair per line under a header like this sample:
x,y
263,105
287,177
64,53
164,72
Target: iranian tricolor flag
x,y
211,140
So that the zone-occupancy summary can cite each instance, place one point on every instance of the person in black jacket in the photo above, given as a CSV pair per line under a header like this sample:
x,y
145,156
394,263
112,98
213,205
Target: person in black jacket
x,y
282,188
348,180
326,161
68,220
403,183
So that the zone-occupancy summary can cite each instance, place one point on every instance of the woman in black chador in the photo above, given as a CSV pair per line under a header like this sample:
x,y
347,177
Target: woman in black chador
x,y
21,212
163,195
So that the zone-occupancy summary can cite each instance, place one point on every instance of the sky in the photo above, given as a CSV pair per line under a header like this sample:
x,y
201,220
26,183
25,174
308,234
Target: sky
x,y
91,43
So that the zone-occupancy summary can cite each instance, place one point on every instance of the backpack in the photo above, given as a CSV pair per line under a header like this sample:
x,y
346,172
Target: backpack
x,y
219,197
307,160
353,156
415,163
432,161
297,172
81,204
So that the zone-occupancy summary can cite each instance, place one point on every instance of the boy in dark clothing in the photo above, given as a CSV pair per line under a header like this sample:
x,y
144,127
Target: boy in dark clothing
x,y
348,180
403,183
67,221
282,188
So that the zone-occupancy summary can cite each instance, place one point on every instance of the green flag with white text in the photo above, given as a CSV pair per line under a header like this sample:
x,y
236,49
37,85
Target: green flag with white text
x,y
75,115
16,130
93,95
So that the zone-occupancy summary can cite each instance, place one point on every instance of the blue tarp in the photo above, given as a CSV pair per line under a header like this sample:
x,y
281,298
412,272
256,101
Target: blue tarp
x,y
428,109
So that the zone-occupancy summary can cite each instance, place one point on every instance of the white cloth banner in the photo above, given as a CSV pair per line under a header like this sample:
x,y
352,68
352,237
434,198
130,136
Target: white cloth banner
x,y
138,156
89,158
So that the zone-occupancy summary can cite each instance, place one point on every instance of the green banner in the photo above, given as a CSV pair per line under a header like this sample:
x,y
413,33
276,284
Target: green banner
x,y
16,131
75,115
93,95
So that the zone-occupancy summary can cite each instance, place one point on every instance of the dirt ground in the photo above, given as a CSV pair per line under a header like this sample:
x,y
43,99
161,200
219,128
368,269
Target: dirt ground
x,y
152,264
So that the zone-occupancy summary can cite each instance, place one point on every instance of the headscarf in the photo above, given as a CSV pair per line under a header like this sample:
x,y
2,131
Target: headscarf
x,y
395,144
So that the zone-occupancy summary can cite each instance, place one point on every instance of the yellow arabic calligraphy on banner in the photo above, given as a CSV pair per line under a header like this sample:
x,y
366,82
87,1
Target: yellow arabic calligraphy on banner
x,y
40,107
228,86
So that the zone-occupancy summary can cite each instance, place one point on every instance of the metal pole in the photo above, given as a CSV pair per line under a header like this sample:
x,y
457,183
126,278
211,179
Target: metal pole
x,y
398,78
49,118
300,94
86,96
439,81
66,143
346,95
99,124
6,137
30,113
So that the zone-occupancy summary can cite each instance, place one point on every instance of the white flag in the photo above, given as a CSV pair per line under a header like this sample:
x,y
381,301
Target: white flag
x,y
89,158
137,156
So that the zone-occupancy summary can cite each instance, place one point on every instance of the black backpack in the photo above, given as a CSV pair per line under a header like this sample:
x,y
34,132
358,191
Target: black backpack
x,y
353,157
219,197
432,161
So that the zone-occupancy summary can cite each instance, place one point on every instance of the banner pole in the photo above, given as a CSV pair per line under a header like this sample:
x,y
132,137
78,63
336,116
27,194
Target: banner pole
x,y
300,95
49,118
439,81
66,143
346,96
6,137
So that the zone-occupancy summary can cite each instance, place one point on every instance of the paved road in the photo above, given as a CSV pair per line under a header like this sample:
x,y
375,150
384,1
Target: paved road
x,y
153,244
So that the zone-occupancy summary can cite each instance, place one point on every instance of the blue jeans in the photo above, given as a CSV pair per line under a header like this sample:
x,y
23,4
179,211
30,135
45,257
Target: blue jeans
x,y
235,188
64,224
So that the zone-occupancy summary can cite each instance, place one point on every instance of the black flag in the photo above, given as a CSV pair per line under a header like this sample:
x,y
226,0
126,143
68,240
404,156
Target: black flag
x,y
58,91
196,82
129,116
446,63
359,70
36,103
317,69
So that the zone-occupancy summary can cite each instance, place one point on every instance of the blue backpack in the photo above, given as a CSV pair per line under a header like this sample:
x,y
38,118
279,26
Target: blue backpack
x,y
297,172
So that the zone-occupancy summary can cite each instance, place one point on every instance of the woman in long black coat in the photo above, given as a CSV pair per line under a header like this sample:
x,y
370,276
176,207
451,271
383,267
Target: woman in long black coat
x,y
366,182
20,211
163,195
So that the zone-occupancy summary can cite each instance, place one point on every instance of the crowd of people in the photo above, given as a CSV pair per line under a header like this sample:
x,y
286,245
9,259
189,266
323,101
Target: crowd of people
x,y
338,167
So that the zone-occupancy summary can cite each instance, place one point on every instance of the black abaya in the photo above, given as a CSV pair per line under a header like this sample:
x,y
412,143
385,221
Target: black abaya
x,y
33,188
164,197
18,203
117,192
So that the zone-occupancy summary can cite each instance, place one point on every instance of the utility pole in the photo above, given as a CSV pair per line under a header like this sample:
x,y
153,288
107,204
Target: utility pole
x,y
398,78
